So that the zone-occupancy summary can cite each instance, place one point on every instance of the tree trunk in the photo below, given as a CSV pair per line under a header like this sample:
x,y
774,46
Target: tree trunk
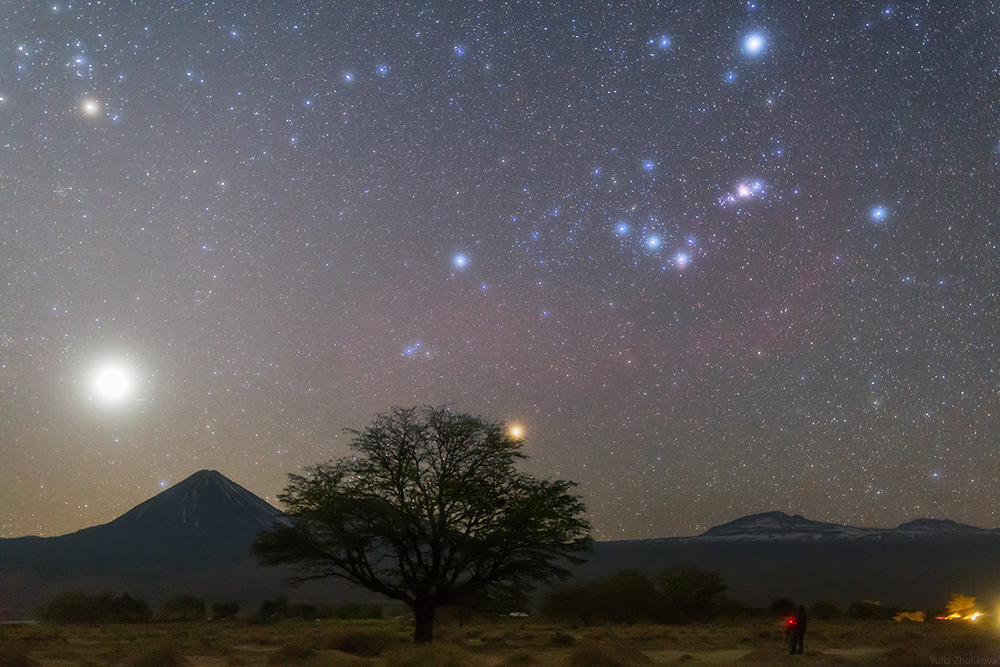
x,y
423,614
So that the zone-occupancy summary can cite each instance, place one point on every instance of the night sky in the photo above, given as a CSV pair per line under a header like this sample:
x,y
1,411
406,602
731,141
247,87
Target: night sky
x,y
712,258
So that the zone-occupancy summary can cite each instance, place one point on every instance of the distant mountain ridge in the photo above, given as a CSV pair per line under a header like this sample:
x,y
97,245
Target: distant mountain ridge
x,y
768,526
195,538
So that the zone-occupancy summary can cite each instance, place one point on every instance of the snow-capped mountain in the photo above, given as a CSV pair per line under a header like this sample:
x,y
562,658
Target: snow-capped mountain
x,y
778,526
781,526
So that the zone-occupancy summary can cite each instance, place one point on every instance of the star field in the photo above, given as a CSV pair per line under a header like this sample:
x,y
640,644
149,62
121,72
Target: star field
x,y
707,261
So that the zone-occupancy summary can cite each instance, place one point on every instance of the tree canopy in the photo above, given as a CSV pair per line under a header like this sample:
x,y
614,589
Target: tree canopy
x,y
430,511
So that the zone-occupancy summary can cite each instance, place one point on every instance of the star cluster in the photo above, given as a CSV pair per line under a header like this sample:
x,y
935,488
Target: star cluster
x,y
706,262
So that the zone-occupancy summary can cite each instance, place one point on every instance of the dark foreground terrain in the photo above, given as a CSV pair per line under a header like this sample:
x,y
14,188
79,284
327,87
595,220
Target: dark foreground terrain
x,y
503,643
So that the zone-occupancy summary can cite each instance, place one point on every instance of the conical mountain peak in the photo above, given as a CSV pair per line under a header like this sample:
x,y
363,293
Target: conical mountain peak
x,y
206,501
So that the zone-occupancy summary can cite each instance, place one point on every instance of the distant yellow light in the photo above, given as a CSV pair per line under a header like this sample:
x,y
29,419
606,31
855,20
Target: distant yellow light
x,y
516,431
90,107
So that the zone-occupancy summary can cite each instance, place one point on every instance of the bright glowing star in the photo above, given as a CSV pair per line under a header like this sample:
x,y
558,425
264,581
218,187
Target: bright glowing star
x,y
460,260
653,242
516,432
90,107
681,260
112,383
754,43
459,50
621,229
730,77
648,165
878,213
348,76
663,42
382,70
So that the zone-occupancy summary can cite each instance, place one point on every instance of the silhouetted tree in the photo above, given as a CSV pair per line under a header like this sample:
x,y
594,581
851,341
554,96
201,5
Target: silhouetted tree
x,y
105,608
782,607
184,608
430,511
687,594
870,610
824,610
676,596
223,610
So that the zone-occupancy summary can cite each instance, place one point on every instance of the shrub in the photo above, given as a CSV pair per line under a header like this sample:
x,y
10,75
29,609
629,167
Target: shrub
x,y
687,594
824,610
184,608
869,610
105,608
223,610
677,596
782,607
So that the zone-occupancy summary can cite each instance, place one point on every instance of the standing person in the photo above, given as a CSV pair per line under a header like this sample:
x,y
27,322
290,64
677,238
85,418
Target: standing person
x,y
797,631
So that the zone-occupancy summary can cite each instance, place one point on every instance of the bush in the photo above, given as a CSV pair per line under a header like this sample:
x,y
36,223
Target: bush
x,y
184,608
105,608
687,594
869,610
782,607
224,610
678,596
824,610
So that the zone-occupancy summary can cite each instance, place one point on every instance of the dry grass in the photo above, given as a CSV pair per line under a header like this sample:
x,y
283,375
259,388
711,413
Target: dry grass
x,y
501,643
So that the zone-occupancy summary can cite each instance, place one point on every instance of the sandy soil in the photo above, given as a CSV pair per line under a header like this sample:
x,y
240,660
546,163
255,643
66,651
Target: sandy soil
x,y
505,643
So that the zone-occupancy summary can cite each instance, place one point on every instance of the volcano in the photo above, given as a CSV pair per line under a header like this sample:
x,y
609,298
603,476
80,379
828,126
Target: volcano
x,y
193,538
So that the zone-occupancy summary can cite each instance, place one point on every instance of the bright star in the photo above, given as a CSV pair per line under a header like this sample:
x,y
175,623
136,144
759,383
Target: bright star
x,y
112,383
653,242
516,432
681,260
877,213
621,229
754,43
90,107
648,165
460,260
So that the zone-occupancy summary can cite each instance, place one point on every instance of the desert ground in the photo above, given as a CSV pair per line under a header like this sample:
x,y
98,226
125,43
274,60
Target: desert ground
x,y
497,643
